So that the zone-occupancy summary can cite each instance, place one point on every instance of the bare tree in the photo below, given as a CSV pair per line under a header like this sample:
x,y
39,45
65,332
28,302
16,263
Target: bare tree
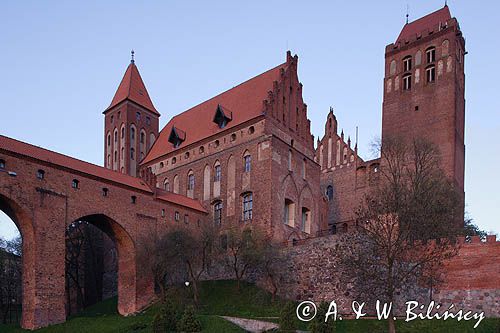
x,y
273,264
178,254
244,252
412,204
10,275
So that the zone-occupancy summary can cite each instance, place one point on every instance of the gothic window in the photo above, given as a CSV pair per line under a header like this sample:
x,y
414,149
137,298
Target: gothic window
x,y
247,159
407,82
132,133
75,184
116,135
177,216
132,154
143,137
116,155
233,137
407,64
162,165
105,192
148,121
430,54
289,213
176,184
306,220
40,174
430,74
247,206
138,116
190,184
166,185
109,160
218,212
218,172
123,132
152,139
109,139
202,150
251,130
112,119
329,192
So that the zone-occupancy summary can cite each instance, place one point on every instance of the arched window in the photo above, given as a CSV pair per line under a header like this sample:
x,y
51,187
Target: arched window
x,y
115,135
306,220
166,185
143,137
177,216
329,192
392,67
289,213
2,164
202,150
176,184
407,82
109,160
105,192
109,139
407,64
217,172
123,132
152,139
430,74
247,161
116,155
247,206
430,54
218,212
40,174
75,184
190,184
132,133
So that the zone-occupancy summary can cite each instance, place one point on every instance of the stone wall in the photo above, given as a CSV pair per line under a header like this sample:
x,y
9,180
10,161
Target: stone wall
x,y
471,278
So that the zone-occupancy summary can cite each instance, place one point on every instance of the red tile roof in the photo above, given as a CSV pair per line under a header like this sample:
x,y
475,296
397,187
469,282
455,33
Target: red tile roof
x,y
180,200
132,88
41,154
427,22
245,102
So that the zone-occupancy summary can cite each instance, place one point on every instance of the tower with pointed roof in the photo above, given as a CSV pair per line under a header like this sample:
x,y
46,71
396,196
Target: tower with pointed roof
x,y
424,88
130,124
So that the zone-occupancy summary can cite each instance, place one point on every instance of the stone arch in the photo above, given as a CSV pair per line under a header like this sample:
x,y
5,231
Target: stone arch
x,y
30,319
126,250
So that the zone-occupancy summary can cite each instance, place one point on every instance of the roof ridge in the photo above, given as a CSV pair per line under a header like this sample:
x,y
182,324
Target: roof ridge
x,y
225,91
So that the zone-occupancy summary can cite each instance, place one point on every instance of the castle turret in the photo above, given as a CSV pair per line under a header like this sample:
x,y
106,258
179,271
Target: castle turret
x,y
130,124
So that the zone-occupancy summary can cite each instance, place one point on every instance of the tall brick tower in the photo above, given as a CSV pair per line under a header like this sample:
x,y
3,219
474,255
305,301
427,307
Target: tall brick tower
x,y
130,124
424,88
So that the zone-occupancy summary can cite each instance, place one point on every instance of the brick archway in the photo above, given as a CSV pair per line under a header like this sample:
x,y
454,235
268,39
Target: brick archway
x,y
126,249
22,220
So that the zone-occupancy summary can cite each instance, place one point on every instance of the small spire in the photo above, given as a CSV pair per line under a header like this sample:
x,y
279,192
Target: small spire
x,y
132,56
407,12
446,3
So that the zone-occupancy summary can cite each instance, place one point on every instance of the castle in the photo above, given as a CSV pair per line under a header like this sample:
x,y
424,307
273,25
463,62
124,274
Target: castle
x,y
245,157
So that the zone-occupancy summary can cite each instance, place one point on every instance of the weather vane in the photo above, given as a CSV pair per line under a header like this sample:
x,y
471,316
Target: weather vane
x,y
132,54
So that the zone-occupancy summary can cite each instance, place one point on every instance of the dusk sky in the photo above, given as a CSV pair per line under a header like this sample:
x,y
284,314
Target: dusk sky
x,y
62,63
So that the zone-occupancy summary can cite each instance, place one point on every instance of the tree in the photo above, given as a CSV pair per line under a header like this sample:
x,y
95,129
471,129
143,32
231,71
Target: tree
x,y
189,322
288,319
273,265
10,275
471,229
244,252
411,205
177,255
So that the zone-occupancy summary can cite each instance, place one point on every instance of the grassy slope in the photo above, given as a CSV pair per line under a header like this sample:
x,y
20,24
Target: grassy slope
x,y
222,298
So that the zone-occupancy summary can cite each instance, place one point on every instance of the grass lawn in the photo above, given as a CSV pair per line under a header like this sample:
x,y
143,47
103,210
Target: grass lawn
x,y
222,298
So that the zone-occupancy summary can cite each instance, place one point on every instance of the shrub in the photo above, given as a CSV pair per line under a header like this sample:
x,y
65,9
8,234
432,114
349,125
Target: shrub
x,y
189,322
288,318
318,324
167,318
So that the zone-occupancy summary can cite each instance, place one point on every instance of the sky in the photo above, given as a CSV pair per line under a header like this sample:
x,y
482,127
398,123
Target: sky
x,y
62,63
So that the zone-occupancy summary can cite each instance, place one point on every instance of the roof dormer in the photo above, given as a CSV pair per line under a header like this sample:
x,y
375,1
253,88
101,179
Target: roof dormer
x,y
176,137
222,116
